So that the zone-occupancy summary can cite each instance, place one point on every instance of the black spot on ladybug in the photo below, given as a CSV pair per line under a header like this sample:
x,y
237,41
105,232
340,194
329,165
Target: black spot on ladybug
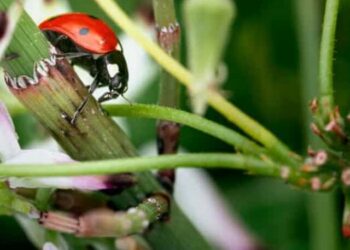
x,y
83,31
3,24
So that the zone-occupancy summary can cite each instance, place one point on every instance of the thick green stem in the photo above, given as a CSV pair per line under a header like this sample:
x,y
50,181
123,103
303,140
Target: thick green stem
x,y
326,55
322,210
140,164
54,97
227,135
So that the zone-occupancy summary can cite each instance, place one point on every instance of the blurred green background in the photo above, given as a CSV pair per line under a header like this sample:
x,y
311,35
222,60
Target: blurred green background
x,y
263,59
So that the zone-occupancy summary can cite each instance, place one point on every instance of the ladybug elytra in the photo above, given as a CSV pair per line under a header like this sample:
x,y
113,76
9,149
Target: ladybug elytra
x,y
91,44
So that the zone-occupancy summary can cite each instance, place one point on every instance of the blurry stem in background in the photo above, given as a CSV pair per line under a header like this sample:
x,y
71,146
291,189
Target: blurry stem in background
x,y
168,34
12,104
217,101
323,218
326,56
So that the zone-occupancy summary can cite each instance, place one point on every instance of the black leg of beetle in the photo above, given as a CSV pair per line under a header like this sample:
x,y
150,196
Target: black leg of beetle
x,y
92,88
58,39
107,96
72,55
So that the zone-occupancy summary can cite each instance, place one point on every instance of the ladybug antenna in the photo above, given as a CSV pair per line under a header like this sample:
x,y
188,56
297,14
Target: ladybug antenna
x,y
126,99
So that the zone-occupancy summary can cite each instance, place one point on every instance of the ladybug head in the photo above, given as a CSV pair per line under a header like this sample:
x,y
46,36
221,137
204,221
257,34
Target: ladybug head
x,y
117,71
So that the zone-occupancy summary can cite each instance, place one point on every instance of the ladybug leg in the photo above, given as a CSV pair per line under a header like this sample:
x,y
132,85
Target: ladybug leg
x,y
92,88
59,39
107,96
72,55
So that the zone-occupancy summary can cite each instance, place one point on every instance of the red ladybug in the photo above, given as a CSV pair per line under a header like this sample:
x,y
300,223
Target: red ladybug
x,y
91,44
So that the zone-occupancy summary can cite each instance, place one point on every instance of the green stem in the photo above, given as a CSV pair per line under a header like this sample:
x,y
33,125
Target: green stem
x,y
11,203
326,54
254,129
164,12
322,212
168,133
195,121
108,223
55,95
140,164
168,33
12,104
217,101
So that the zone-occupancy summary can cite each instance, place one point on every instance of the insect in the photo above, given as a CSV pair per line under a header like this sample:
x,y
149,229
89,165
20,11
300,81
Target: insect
x,y
88,42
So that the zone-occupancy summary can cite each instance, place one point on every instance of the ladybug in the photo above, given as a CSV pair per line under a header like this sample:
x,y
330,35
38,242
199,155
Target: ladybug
x,y
90,43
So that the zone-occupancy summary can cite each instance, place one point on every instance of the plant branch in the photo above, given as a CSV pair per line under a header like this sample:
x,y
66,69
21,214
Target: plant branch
x,y
168,133
326,55
107,223
322,209
217,101
195,121
53,92
168,34
140,164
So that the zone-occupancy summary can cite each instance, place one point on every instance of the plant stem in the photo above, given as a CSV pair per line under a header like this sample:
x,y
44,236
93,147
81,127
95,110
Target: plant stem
x,y
227,135
326,55
252,128
11,203
140,164
321,208
55,95
218,102
12,104
168,34
108,223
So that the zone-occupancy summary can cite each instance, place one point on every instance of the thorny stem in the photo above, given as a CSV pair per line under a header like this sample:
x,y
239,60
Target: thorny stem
x,y
326,55
227,135
168,34
217,101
